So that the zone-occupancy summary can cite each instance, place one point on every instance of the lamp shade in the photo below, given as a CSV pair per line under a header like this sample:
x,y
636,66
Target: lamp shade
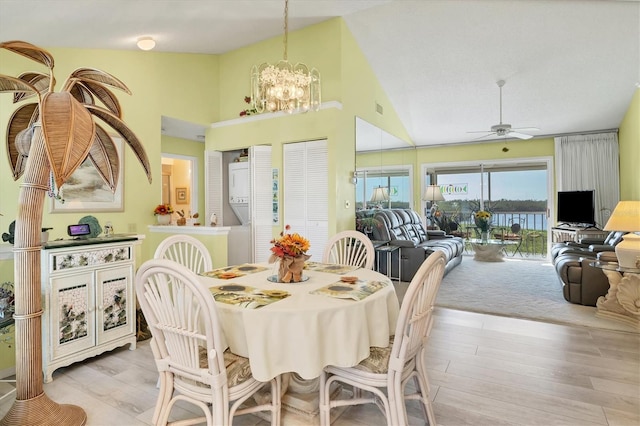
x,y
626,217
433,193
380,194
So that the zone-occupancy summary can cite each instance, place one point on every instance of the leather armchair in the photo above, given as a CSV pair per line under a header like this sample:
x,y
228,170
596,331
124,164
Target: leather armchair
x,y
581,283
587,246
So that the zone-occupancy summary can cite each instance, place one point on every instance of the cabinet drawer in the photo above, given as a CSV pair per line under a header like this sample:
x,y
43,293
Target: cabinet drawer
x,y
70,260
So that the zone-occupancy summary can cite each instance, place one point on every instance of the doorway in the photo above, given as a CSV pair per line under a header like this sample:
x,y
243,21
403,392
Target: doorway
x,y
180,183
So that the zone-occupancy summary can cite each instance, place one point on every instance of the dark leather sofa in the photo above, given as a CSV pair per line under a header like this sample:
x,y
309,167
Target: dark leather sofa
x,y
591,245
581,283
403,228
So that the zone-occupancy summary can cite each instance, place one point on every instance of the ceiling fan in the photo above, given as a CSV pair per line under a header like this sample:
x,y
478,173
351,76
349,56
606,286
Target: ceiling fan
x,y
504,129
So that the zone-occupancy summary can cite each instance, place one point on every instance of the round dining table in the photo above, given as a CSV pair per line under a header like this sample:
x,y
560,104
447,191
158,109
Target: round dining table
x,y
306,326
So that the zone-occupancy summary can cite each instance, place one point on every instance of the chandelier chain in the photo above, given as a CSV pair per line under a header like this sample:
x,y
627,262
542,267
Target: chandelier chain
x,y
286,27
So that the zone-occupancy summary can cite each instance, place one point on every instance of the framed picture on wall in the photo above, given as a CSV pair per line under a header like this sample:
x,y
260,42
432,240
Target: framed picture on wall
x,y
182,196
85,191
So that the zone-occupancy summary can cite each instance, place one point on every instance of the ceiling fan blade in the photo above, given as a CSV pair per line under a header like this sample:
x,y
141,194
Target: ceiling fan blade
x,y
480,131
484,136
520,135
525,129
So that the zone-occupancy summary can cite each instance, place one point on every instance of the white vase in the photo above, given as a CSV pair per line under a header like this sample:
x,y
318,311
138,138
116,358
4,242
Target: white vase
x,y
484,237
163,219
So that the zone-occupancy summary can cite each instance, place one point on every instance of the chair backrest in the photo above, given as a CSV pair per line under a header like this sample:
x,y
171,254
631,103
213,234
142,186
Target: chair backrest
x,y
350,248
182,317
187,251
415,318
516,228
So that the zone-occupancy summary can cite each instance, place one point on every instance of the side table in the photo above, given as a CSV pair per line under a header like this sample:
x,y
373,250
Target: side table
x,y
622,301
388,251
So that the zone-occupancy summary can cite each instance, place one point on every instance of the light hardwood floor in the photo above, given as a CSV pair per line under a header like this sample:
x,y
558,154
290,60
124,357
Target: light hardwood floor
x,y
484,370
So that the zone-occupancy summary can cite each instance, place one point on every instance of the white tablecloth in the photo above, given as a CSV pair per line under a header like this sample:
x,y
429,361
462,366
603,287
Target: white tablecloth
x,y
305,332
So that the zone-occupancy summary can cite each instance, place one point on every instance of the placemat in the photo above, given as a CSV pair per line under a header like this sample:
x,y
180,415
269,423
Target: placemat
x,y
356,291
235,271
246,296
331,268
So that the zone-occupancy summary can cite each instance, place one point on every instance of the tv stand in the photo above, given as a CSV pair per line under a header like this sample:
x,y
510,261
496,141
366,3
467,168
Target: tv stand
x,y
568,232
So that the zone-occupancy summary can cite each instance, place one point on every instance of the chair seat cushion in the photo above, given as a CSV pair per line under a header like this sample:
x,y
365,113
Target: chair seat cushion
x,y
238,368
378,360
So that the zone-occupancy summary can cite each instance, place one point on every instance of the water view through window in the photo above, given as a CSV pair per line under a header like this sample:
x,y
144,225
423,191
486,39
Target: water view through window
x,y
512,196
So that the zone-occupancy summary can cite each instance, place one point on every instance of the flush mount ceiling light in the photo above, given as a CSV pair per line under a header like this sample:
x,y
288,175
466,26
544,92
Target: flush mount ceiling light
x,y
283,86
146,43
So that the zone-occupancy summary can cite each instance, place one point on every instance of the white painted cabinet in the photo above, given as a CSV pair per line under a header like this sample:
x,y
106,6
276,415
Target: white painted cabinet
x,y
88,300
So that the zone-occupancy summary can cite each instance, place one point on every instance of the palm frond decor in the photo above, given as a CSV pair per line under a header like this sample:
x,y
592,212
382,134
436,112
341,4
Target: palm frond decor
x,y
52,135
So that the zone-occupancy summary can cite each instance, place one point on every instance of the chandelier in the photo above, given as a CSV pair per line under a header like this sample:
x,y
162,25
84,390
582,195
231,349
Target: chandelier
x,y
283,86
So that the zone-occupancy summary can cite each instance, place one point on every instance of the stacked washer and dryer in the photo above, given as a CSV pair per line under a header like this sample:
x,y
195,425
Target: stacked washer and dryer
x,y
239,246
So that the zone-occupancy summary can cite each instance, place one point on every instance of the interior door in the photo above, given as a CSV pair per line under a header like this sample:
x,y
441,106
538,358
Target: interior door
x,y
306,192
261,201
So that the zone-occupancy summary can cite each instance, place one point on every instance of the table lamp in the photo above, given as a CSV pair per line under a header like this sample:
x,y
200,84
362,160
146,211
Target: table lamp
x,y
379,194
432,194
626,217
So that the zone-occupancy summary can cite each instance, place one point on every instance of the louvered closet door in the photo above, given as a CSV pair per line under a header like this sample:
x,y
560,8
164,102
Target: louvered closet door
x,y
306,191
261,201
213,186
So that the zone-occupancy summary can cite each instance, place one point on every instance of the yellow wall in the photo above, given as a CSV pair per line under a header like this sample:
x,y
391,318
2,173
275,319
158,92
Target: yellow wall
x,y
447,154
346,77
175,85
629,140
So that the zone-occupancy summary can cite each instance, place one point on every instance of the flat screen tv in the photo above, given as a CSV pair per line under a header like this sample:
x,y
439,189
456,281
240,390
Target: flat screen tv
x,y
576,207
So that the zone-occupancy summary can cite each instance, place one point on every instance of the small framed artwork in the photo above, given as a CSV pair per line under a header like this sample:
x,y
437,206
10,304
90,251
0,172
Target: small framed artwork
x,y
182,196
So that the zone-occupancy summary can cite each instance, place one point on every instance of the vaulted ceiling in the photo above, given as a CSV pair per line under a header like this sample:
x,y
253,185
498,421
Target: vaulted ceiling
x,y
569,66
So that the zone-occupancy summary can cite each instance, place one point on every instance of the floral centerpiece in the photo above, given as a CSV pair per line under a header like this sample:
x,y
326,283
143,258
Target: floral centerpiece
x,y
163,209
483,222
163,213
290,251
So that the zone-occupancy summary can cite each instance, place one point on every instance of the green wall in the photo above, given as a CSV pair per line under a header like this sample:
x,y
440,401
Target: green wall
x,y
629,138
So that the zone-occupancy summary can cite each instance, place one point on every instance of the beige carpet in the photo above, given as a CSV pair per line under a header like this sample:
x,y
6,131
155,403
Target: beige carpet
x,y
518,288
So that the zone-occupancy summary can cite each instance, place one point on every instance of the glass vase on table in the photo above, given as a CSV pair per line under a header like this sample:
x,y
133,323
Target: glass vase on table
x,y
484,237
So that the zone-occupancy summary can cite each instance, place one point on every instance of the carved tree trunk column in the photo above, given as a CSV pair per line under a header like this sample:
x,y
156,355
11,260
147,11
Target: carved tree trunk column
x,y
32,406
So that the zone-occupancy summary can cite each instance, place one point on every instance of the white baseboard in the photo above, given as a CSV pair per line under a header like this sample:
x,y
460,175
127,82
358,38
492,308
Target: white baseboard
x,y
7,372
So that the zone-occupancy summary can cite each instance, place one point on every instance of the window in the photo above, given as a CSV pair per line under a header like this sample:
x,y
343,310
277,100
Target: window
x,y
397,180
512,192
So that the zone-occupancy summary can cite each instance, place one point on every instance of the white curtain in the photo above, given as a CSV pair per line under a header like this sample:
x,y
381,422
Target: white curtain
x,y
590,162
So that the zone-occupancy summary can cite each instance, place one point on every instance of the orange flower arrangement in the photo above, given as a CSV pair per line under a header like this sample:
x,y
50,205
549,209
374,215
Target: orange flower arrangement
x,y
288,245
162,209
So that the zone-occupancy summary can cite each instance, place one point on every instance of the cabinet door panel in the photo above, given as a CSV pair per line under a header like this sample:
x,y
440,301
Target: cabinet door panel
x,y
115,313
72,323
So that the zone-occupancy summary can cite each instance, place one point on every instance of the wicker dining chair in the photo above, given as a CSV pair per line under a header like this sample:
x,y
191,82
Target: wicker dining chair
x,y
187,251
189,353
394,366
350,248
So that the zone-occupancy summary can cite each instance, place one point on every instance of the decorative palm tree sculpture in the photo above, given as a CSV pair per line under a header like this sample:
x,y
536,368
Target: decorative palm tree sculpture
x,y
52,137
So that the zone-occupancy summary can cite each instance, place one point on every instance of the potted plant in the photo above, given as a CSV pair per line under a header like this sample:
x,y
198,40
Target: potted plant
x,y
366,225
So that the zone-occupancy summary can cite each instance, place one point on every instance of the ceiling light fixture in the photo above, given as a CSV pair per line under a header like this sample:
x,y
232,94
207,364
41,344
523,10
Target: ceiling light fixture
x,y
146,43
283,86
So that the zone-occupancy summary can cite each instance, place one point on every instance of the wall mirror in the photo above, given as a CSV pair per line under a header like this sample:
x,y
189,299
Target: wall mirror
x,y
382,161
